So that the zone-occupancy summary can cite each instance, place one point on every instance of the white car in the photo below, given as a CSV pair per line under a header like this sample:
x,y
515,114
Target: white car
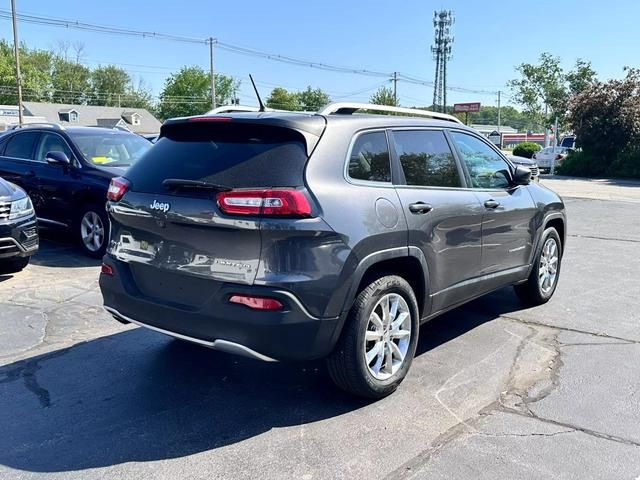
x,y
545,157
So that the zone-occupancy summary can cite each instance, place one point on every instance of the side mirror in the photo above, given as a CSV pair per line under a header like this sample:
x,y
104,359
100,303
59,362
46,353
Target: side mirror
x,y
57,158
522,175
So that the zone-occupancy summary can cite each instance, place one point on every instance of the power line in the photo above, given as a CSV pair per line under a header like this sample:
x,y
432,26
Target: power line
x,y
234,48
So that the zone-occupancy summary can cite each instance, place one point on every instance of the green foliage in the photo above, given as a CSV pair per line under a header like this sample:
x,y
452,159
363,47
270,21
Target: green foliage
x,y
526,149
309,100
545,86
509,117
54,77
109,85
282,99
188,92
383,96
606,120
312,100
70,82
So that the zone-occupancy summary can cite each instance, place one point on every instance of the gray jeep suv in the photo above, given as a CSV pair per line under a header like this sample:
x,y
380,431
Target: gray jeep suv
x,y
287,236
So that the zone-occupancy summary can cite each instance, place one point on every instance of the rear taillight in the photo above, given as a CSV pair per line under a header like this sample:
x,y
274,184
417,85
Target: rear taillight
x,y
286,202
117,188
107,269
257,303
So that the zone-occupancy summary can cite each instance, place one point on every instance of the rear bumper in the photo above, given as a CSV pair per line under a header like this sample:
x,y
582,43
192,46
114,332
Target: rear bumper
x,y
290,334
18,239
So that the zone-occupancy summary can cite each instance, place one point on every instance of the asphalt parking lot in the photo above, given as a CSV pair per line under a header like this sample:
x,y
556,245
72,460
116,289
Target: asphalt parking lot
x,y
496,391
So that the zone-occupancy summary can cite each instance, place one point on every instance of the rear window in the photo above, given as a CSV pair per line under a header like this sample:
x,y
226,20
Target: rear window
x,y
238,156
111,148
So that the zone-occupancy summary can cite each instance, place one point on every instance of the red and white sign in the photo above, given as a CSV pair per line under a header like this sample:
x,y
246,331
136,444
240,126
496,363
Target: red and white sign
x,y
473,107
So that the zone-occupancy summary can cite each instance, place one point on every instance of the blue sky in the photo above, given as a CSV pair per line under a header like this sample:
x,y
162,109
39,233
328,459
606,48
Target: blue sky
x,y
490,39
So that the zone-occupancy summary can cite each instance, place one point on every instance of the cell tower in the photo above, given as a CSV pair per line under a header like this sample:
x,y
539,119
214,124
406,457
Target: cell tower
x,y
442,22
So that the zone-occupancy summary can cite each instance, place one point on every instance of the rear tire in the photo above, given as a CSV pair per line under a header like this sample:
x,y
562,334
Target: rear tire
x,y
545,273
13,265
378,341
93,230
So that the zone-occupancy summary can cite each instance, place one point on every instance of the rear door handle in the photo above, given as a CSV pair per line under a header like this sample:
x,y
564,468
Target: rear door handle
x,y
491,204
420,208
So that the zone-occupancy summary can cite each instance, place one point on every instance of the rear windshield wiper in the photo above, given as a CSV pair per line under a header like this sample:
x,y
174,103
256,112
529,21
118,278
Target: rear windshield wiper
x,y
186,184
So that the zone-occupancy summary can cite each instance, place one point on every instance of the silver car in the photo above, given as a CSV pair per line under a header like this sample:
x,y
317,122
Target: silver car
x,y
545,157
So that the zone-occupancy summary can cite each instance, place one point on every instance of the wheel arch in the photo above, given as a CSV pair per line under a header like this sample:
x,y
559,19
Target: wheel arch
x,y
407,262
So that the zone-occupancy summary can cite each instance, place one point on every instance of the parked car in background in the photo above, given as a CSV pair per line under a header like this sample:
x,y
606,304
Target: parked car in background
x,y
66,172
545,157
568,141
294,236
526,162
18,228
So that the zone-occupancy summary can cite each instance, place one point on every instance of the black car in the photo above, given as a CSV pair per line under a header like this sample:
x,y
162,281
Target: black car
x,y
287,236
18,228
66,172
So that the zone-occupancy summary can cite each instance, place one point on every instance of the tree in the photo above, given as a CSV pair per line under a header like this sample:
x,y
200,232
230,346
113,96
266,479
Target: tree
x,y
545,90
541,88
312,100
384,96
109,85
282,99
606,117
188,92
137,96
581,77
35,69
70,82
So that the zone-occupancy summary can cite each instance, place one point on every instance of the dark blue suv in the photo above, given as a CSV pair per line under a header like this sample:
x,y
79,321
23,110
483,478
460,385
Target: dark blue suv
x,y
66,172
291,236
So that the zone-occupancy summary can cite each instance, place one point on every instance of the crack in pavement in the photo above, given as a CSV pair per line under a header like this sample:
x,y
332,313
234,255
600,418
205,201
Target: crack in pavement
x,y
568,329
26,370
517,397
576,428
595,237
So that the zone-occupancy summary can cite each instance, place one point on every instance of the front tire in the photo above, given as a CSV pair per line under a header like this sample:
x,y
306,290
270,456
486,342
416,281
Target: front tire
x,y
545,273
93,230
14,265
378,342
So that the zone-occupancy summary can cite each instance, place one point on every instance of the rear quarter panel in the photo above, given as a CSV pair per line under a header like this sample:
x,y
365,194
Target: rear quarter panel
x,y
366,219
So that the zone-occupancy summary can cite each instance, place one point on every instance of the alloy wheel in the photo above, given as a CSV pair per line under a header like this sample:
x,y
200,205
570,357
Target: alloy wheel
x,y
548,269
92,231
387,336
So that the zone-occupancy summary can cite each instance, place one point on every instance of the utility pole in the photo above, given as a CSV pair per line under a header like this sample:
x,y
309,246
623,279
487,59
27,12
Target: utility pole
x,y
212,74
555,144
499,92
16,48
441,51
395,89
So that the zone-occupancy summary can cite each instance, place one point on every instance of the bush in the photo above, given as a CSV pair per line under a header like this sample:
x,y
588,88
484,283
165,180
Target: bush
x,y
526,149
583,164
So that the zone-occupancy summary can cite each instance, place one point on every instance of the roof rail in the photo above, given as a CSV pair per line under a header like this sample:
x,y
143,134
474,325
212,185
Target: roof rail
x,y
349,107
232,108
16,126
246,108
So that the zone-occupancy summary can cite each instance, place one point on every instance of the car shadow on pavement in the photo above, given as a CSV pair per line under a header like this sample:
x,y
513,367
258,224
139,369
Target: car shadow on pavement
x,y
57,250
139,396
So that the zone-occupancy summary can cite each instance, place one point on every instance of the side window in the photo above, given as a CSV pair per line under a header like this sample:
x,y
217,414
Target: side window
x,y
21,145
369,159
486,168
52,142
426,158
